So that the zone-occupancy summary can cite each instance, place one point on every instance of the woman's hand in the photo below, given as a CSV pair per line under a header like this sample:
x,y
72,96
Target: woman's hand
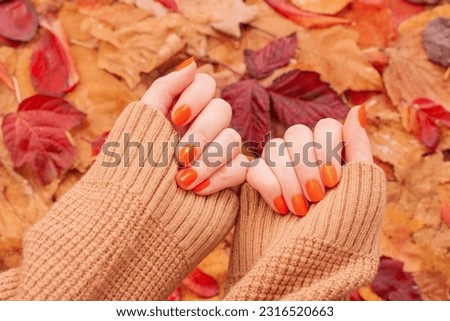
x,y
297,170
209,151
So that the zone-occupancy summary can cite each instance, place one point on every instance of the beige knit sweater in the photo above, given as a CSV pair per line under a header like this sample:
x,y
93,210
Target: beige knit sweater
x,y
128,233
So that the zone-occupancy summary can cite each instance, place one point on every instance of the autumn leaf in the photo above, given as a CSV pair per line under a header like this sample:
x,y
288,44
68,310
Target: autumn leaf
x,y
175,295
322,6
201,284
170,4
5,77
52,68
224,16
251,105
374,22
36,135
422,117
276,54
98,143
403,10
304,18
18,20
300,97
436,40
410,75
334,54
393,284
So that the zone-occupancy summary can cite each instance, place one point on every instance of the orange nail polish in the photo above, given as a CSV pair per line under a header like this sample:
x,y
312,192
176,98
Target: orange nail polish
x,y
186,155
187,176
314,190
200,187
185,63
300,205
181,115
329,176
362,116
280,205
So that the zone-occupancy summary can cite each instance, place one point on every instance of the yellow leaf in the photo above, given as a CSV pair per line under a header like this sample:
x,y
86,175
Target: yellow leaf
x,y
334,54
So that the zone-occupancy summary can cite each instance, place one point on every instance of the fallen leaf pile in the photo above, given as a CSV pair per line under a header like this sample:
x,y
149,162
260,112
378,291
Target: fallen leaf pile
x,y
68,68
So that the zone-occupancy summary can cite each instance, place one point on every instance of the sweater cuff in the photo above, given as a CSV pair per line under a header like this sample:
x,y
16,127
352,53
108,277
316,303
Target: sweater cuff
x,y
9,281
139,151
349,216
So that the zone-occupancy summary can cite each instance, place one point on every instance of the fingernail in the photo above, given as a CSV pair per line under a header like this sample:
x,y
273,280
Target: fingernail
x,y
300,205
181,115
187,155
185,63
280,205
187,176
314,190
329,176
362,116
200,187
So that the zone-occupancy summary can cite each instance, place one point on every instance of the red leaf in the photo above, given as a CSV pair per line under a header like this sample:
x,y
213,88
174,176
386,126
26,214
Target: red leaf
x,y
355,296
98,143
35,135
53,70
393,284
300,97
8,42
250,103
276,54
358,97
18,20
175,295
201,284
428,132
304,18
170,4
433,110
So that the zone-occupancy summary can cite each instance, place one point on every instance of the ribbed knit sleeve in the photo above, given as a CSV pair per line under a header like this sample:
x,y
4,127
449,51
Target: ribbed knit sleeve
x,y
322,256
125,231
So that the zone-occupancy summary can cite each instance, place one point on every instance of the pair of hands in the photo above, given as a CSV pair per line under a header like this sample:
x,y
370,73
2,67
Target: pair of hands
x,y
293,171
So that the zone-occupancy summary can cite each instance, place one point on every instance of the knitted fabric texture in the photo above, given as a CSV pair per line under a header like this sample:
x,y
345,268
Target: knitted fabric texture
x,y
124,232
322,256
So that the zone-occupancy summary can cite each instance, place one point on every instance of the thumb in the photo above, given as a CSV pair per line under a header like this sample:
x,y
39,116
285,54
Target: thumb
x,y
357,145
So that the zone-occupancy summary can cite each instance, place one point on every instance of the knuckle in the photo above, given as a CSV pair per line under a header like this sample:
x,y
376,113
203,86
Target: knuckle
x,y
232,135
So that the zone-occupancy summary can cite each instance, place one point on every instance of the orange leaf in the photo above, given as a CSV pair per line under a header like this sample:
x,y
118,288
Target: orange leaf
x,y
304,18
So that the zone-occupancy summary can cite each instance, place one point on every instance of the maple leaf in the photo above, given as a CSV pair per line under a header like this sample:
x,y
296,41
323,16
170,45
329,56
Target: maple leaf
x,y
436,40
322,6
276,54
52,68
410,74
393,284
18,20
304,18
251,104
170,4
201,284
300,97
334,54
35,135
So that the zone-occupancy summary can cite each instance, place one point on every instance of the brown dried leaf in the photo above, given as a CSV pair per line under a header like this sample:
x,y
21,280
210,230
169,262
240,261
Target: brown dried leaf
x,y
410,74
225,16
333,54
